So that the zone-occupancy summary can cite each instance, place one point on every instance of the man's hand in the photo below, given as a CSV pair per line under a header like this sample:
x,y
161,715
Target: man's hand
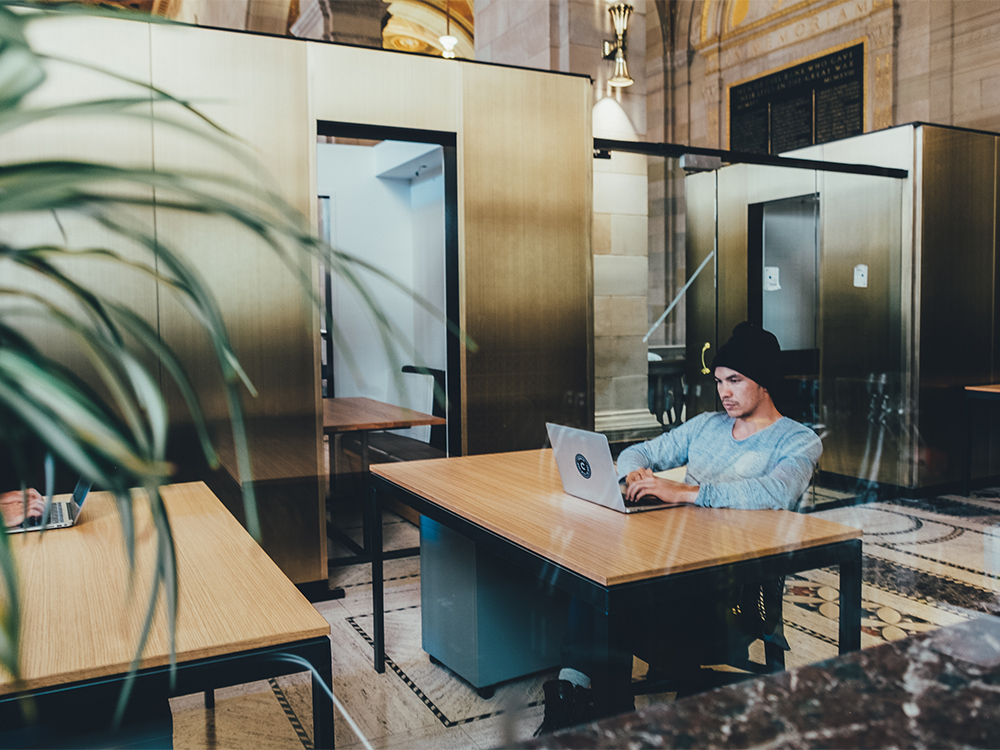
x,y
646,484
12,506
637,474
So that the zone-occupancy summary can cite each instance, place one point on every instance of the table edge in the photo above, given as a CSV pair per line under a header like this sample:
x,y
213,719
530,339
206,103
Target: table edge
x,y
849,533
111,672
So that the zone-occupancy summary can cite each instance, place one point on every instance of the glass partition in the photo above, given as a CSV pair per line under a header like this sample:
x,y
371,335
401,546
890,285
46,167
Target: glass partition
x,y
813,256
816,257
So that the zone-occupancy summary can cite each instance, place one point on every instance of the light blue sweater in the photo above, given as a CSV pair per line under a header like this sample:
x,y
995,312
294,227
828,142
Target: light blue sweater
x,y
768,470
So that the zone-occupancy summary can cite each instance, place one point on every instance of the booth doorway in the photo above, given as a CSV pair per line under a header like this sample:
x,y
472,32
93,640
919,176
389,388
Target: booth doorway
x,y
388,196
783,293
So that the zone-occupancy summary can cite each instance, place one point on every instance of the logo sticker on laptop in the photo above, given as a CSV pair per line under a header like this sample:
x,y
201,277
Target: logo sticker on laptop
x,y
583,466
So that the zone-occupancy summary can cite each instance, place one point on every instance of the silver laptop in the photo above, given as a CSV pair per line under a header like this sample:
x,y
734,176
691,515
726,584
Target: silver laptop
x,y
61,513
588,471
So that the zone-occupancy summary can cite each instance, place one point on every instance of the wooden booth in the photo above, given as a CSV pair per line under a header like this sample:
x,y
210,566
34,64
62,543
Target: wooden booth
x,y
519,232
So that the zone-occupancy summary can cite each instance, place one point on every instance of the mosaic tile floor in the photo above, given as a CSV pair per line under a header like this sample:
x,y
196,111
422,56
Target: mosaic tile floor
x,y
927,564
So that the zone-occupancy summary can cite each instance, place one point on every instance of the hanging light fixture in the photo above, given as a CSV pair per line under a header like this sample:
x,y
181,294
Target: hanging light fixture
x,y
620,13
448,42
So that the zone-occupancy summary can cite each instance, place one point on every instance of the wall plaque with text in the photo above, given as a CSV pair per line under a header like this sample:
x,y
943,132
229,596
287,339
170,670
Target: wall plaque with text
x,y
816,102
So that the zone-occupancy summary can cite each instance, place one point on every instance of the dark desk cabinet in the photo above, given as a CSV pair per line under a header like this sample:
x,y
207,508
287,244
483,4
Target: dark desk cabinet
x,y
484,619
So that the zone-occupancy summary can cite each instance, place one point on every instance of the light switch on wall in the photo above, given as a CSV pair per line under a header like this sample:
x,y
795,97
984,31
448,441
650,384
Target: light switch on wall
x,y
861,275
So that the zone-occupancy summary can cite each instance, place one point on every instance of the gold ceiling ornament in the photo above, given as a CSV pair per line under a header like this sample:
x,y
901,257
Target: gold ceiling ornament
x,y
620,77
406,43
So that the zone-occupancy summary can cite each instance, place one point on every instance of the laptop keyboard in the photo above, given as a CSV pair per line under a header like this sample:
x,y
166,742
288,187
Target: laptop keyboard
x,y
643,502
57,516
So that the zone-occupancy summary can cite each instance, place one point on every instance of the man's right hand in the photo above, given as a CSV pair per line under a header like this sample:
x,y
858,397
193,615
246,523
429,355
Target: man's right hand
x,y
637,474
12,506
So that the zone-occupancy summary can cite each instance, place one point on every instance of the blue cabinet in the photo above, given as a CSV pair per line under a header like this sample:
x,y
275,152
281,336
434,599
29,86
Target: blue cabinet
x,y
483,618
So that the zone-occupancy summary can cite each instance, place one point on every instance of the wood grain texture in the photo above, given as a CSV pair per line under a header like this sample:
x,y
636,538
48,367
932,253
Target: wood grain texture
x,y
280,450
350,84
256,88
519,495
526,168
358,413
79,620
104,139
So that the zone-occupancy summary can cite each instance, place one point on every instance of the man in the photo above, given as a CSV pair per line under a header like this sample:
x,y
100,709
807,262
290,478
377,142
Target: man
x,y
749,457
14,506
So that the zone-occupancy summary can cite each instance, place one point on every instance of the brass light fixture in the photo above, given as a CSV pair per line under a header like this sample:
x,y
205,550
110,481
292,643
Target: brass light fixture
x,y
448,42
620,13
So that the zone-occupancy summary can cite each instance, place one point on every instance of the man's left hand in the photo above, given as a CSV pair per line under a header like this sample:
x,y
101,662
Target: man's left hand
x,y
665,489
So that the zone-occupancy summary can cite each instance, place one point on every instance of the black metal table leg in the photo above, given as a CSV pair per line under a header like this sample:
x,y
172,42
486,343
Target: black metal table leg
x,y
337,592
378,594
850,601
365,486
321,703
612,685
364,550
966,446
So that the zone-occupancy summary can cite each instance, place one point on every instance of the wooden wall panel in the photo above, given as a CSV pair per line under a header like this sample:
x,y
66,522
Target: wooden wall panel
x,y
348,84
956,288
256,88
525,158
127,142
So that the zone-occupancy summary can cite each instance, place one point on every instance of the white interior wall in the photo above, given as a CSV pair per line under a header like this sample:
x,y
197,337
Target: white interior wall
x,y
429,332
427,212
397,225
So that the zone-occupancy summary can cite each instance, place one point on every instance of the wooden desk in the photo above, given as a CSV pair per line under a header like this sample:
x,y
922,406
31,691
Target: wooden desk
x,y
365,415
237,612
513,505
973,393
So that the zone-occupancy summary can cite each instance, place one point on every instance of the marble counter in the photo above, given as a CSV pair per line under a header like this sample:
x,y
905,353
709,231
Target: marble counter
x,y
938,690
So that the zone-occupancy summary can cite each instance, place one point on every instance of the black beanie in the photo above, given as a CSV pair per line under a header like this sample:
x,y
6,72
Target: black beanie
x,y
752,352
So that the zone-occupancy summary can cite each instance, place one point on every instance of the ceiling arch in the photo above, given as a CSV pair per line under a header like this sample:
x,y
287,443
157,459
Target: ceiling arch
x,y
417,25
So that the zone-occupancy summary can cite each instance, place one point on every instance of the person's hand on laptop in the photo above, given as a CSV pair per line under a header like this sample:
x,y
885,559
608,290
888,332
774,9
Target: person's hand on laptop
x,y
12,506
637,474
643,483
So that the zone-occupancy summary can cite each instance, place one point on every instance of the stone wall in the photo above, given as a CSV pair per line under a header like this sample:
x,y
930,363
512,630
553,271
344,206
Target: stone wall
x,y
947,63
926,60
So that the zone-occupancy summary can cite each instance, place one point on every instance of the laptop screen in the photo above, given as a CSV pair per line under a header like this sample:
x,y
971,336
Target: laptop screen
x,y
80,492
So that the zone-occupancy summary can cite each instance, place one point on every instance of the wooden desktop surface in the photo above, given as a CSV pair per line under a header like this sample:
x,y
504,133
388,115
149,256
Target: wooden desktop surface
x,y
79,620
358,414
519,496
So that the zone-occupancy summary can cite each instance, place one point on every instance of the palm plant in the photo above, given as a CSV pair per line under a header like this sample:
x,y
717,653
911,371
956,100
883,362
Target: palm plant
x,y
117,437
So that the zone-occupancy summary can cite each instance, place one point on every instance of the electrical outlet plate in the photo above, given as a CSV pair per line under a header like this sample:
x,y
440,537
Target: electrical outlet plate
x,y
861,275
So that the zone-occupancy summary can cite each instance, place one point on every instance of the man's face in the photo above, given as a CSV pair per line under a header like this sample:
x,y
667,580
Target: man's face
x,y
741,396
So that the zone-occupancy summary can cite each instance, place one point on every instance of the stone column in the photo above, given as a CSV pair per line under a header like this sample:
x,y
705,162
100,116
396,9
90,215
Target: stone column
x,y
621,283
357,22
